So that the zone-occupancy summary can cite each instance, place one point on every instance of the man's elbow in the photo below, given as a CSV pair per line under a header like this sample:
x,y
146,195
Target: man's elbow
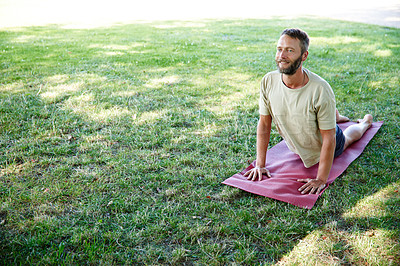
x,y
264,123
329,137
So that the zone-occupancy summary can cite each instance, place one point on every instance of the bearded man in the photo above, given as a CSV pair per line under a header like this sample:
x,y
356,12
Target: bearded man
x,y
303,108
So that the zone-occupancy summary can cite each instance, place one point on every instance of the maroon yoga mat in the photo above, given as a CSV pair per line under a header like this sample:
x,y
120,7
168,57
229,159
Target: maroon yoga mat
x,y
286,167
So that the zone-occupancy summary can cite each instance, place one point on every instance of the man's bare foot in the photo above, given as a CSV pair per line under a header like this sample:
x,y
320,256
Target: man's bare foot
x,y
368,119
341,118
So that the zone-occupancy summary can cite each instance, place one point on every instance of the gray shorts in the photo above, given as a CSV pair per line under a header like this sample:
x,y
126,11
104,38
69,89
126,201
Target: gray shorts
x,y
340,140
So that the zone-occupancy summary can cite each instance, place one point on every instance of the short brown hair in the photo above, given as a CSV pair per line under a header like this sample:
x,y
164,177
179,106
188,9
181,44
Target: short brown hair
x,y
300,35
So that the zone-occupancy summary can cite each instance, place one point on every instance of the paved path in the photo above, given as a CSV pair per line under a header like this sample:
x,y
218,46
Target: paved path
x,y
384,15
92,13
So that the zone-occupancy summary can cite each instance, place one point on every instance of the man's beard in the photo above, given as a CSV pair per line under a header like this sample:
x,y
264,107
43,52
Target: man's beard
x,y
292,68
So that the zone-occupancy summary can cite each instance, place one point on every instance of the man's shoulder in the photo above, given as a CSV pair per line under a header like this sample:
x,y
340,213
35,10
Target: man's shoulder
x,y
316,78
272,76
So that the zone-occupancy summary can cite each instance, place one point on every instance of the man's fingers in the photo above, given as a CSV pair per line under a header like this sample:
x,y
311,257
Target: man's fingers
x,y
313,190
252,174
268,173
303,180
321,187
318,189
305,190
306,187
255,174
310,187
306,181
249,174
259,175
303,187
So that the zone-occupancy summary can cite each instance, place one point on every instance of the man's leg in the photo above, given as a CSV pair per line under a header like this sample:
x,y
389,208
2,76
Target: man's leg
x,y
341,118
356,131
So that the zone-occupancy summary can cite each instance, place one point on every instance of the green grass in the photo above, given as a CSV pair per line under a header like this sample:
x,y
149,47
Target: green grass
x,y
114,143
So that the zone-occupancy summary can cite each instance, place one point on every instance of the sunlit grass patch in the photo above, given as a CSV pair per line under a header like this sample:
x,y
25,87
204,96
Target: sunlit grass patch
x,y
53,94
328,41
375,247
378,205
333,246
13,87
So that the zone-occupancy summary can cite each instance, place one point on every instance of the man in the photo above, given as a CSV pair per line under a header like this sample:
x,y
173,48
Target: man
x,y
303,108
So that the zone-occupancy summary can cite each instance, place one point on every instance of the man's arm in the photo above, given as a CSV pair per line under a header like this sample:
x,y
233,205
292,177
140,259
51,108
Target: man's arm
x,y
325,163
263,135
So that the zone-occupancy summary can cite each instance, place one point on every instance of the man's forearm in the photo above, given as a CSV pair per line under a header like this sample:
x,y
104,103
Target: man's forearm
x,y
326,157
262,144
263,135
325,164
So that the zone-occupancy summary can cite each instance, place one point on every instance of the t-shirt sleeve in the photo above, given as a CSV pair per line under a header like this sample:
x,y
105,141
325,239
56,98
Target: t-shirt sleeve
x,y
326,109
263,102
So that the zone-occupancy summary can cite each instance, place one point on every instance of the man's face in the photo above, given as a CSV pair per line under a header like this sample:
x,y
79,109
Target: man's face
x,y
288,55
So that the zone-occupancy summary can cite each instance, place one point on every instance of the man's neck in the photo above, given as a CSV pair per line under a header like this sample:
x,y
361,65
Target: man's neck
x,y
297,80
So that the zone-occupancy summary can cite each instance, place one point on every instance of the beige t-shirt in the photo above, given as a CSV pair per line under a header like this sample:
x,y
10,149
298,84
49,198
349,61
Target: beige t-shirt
x,y
299,113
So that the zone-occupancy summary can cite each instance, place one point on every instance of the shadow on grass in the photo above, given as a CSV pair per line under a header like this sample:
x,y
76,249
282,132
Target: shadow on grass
x,y
114,142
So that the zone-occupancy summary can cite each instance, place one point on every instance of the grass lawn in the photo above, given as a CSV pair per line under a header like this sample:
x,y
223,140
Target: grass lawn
x,y
114,143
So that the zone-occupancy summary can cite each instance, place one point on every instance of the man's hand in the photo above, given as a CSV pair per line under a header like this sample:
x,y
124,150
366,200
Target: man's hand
x,y
312,185
257,172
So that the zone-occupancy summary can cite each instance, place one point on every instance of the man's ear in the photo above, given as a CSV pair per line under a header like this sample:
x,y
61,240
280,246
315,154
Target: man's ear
x,y
304,56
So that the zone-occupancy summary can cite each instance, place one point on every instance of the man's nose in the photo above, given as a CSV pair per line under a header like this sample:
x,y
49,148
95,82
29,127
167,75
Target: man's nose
x,y
283,54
